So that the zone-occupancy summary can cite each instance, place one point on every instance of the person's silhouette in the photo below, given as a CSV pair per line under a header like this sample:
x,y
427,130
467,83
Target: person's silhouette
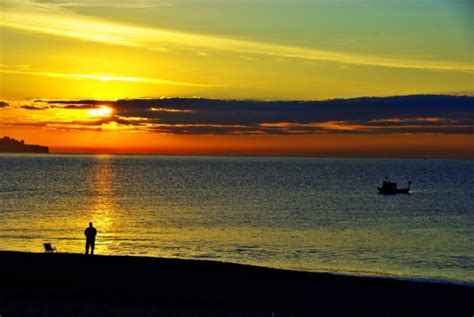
x,y
90,234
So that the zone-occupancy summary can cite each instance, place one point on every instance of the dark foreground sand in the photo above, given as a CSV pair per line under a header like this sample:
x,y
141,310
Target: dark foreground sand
x,y
76,285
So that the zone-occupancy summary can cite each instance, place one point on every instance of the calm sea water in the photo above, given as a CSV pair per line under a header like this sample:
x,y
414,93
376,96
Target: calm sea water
x,y
298,213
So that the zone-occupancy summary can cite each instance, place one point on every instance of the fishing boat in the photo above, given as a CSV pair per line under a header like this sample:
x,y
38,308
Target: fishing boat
x,y
390,188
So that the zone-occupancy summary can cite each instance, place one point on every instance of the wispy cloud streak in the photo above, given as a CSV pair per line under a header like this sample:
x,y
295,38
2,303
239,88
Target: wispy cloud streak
x,y
54,20
145,80
137,4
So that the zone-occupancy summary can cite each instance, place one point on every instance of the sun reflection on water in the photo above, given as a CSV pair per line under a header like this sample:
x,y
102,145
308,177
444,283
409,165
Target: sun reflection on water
x,y
102,210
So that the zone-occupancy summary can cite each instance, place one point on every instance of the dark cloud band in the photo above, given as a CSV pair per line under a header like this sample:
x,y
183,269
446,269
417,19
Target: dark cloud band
x,y
402,114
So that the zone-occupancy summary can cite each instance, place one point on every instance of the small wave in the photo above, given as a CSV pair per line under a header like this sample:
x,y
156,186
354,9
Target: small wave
x,y
22,237
205,256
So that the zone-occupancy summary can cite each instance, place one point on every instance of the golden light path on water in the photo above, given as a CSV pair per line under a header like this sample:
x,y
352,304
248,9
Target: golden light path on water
x,y
98,205
102,210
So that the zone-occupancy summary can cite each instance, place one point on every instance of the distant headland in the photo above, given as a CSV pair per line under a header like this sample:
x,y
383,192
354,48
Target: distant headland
x,y
10,145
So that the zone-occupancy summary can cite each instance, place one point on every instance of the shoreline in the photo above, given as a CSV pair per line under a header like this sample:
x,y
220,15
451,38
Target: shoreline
x,y
74,284
341,273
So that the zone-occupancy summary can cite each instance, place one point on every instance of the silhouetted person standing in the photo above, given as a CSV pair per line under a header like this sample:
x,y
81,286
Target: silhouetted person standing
x,y
90,234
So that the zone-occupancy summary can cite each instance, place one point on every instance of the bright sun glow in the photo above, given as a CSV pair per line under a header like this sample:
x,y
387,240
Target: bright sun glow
x,y
103,111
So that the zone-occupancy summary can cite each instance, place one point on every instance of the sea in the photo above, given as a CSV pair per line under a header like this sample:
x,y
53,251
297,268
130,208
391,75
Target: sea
x,y
306,214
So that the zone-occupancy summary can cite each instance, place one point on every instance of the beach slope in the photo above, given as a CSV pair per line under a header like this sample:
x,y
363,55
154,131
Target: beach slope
x,y
77,285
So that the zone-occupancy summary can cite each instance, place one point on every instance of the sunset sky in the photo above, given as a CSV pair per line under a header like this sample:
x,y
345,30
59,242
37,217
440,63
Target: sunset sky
x,y
94,76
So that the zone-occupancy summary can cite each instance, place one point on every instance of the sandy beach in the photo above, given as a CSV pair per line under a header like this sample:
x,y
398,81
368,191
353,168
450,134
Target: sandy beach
x,y
76,285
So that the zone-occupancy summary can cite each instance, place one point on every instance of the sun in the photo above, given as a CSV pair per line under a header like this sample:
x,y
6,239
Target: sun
x,y
102,111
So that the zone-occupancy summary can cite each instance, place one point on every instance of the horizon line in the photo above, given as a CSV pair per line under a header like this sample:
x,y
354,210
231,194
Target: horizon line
x,y
414,157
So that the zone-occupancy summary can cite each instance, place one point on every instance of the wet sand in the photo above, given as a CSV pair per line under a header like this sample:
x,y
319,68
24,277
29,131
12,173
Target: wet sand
x,y
35,284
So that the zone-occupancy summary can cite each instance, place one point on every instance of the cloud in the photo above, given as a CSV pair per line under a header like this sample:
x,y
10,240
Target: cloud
x,y
40,104
3,104
52,19
77,107
102,77
217,111
137,4
78,102
38,108
403,114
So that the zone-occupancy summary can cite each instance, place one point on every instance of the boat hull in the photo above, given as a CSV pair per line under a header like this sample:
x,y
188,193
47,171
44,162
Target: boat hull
x,y
385,191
